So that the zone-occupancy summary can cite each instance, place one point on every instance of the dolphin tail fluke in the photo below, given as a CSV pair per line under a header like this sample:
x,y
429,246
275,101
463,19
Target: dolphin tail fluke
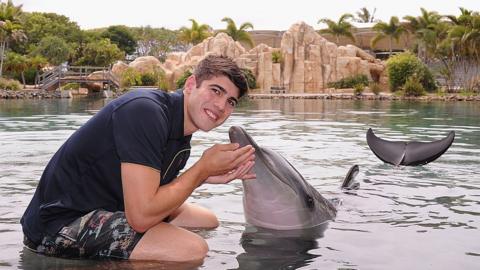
x,y
349,181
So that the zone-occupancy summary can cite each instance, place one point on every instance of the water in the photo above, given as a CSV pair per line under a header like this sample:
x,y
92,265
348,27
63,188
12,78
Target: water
x,y
401,218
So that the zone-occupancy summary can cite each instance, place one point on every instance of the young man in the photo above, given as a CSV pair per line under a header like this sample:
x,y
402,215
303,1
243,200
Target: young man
x,y
113,190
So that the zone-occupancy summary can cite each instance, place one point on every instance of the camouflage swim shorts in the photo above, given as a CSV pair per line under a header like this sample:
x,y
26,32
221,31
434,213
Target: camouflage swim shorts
x,y
98,234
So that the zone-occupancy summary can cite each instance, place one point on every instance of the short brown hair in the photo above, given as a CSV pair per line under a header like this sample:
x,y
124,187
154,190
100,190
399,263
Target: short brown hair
x,y
216,65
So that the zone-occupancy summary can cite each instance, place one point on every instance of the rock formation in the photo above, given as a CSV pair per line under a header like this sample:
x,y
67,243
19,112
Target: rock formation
x,y
309,61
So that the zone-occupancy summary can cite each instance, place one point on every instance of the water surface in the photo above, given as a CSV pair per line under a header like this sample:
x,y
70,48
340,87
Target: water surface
x,y
408,217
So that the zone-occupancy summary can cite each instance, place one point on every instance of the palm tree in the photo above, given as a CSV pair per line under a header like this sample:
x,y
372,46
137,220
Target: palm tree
x,y
393,30
364,15
195,34
428,29
340,28
240,34
10,27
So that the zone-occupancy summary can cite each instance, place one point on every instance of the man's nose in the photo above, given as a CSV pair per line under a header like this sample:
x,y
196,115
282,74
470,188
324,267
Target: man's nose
x,y
221,103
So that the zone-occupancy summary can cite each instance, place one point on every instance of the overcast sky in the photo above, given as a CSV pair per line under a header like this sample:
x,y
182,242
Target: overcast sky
x,y
264,15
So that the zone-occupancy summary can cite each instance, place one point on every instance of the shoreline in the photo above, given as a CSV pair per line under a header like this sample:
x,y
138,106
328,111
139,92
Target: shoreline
x,y
340,95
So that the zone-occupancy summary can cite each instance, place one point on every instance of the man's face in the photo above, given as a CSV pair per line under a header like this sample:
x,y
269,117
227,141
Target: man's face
x,y
209,104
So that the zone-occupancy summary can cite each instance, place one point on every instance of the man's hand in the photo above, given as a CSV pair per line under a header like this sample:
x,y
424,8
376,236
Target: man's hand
x,y
242,172
224,159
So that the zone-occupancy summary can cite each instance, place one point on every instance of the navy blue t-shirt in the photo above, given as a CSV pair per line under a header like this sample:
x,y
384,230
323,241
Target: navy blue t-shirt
x,y
143,127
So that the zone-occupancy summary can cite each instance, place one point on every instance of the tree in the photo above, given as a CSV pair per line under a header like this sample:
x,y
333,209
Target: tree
x,y
10,27
155,41
195,34
100,53
16,64
340,28
393,30
428,31
364,15
54,49
122,37
238,34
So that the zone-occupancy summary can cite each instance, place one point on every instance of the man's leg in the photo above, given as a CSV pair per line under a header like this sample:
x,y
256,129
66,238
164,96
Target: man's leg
x,y
193,216
167,242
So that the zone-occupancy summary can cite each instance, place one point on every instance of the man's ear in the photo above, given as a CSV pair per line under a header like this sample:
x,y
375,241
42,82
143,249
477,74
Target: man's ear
x,y
190,84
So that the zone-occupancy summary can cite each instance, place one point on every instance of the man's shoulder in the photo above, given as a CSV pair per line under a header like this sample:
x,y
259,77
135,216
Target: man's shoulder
x,y
156,96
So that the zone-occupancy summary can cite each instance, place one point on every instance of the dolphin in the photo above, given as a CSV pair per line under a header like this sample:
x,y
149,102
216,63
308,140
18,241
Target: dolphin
x,y
280,198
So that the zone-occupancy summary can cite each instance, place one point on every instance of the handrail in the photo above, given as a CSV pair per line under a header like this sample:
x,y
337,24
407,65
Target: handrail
x,y
76,73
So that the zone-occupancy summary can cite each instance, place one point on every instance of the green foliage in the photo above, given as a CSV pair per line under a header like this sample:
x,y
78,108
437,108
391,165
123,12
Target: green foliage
x,y
350,82
54,49
130,77
71,86
358,89
100,53
156,41
148,79
413,87
375,88
277,57
238,34
195,34
340,28
181,81
251,80
122,37
9,84
402,66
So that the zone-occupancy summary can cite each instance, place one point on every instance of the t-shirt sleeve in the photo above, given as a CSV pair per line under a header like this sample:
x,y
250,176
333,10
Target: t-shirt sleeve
x,y
140,131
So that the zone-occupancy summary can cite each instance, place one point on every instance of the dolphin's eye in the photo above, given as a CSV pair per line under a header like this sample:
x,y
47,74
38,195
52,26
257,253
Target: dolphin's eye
x,y
310,202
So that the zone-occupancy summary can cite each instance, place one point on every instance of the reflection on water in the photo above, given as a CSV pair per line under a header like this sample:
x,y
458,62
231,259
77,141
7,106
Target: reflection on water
x,y
271,249
407,217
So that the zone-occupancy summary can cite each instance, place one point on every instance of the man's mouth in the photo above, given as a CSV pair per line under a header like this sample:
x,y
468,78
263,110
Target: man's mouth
x,y
211,115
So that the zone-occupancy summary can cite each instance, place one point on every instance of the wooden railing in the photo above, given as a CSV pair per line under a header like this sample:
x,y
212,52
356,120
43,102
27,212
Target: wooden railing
x,y
78,74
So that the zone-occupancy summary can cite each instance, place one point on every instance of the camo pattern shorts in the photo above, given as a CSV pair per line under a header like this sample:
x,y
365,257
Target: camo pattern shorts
x,y
98,234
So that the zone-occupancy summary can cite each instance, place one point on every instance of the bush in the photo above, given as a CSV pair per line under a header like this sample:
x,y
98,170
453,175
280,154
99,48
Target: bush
x,y
130,77
8,84
413,87
70,86
277,57
349,82
402,66
358,89
251,80
181,81
149,79
375,88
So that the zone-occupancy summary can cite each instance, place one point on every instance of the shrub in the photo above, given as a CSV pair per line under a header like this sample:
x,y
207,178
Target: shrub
x,y
8,84
70,86
277,57
375,88
358,89
130,77
181,81
402,66
349,82
413,87
149,79
251,80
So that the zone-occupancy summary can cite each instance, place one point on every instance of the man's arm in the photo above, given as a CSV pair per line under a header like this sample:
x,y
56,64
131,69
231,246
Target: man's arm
x,y
147,203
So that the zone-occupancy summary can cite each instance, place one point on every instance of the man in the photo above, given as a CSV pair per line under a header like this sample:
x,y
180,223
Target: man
x,y
113,191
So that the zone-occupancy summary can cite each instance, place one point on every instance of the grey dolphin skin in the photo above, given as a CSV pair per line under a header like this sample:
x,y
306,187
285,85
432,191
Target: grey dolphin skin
x,y
408,153
280,198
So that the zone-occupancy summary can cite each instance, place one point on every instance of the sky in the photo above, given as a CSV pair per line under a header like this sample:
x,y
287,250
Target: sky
x,y
264,15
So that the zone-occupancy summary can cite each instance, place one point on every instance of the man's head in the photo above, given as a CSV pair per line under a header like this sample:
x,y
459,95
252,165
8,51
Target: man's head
x,y
215,65
212,93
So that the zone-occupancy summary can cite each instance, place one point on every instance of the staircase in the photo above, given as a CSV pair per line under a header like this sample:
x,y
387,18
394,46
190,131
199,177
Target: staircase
x,y
52,79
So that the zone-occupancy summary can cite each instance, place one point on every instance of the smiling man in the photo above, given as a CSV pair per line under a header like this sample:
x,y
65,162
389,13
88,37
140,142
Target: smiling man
x,y
113,189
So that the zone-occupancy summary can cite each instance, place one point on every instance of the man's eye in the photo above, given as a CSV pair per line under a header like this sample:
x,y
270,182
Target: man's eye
x,y
216,91
232,103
